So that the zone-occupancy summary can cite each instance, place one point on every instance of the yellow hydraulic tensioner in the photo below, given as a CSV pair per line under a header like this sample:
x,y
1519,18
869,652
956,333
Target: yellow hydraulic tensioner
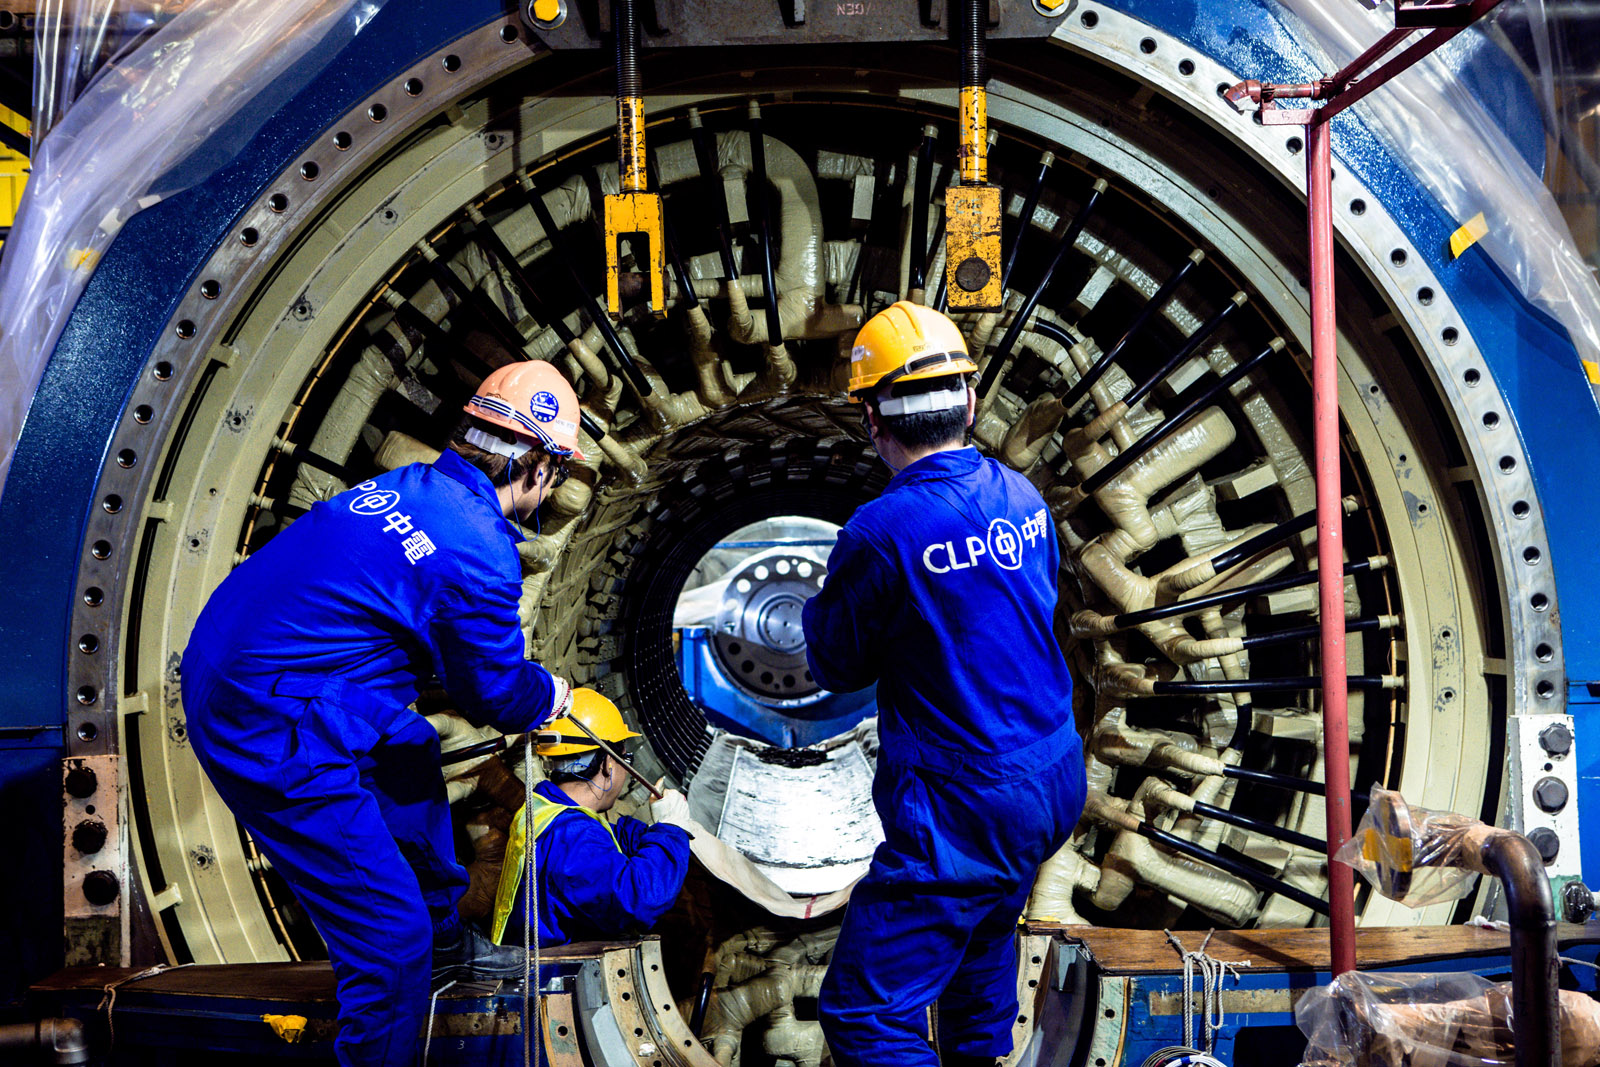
x,y
634,213
972,208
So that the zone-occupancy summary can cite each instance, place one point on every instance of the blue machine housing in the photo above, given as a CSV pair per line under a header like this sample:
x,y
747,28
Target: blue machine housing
x,y
729,707
105,343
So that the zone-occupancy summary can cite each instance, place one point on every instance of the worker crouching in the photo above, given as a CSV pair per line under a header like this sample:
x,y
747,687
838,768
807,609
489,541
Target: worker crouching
x,y
943,591
300,673
597,878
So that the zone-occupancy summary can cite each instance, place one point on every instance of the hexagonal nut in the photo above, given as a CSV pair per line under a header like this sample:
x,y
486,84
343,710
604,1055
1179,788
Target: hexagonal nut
x,y
1548,842
89,836
81,782
101,888
1550,793
1556,739
1577,902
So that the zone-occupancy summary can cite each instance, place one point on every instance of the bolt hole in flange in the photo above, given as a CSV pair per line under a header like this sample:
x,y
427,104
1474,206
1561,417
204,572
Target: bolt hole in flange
x,y
606,610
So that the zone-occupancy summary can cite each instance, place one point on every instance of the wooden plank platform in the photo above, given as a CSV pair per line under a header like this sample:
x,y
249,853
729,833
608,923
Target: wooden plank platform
x,y
1149,951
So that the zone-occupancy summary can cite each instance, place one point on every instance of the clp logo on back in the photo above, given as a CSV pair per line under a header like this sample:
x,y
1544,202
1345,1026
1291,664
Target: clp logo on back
x,y
1003,545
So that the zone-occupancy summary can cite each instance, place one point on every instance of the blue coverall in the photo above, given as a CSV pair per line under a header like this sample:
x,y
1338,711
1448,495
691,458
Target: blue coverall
x,y
594,889
295,685
943,591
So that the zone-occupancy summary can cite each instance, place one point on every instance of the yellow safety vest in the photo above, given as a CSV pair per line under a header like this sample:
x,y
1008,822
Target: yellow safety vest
x,y
544,813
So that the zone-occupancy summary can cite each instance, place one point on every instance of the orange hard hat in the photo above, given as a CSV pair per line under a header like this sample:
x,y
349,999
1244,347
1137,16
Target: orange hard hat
x,y
530,399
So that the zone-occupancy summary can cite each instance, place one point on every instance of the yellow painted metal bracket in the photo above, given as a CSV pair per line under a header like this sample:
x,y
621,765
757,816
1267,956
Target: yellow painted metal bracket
x,y
637,217
634,214
972,215
972,247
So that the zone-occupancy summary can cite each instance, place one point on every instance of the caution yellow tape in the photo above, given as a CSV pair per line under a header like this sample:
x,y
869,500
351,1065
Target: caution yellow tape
x,y
1468,235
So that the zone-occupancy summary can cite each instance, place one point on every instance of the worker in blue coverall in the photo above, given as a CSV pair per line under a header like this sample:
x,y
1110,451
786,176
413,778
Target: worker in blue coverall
x,y
943,591
598,878
300,668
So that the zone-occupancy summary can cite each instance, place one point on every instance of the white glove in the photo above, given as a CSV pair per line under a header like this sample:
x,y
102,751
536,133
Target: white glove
x,y
561,699
673,807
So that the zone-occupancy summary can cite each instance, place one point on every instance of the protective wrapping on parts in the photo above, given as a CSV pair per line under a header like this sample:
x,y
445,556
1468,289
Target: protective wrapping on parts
x,y
1415,855
732,867
1429,1020
1433,121
160,120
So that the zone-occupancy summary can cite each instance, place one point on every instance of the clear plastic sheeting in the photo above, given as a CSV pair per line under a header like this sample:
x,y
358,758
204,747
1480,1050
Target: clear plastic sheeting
x,y
1415,855
1430,118
77,38
1429,1020
116,150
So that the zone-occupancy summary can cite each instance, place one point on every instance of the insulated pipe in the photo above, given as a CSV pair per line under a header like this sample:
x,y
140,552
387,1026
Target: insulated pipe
x,y
702,999
433,334
1304,633
1185,577
1178,800
922,189
1330,541
1127,456
1030,204
1157,301
469,296
596,313
1266,539
759,208
705,154
1270,685
996,362
1093,624
519,278
1125,746
1190,346
1122,819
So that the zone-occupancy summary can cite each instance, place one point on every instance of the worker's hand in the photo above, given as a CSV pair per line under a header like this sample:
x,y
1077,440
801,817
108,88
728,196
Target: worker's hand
x,y
561,702
672,808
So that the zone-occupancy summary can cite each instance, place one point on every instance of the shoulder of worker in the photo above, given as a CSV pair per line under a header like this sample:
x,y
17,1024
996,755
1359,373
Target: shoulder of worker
x,y
448,516
921,491
575,826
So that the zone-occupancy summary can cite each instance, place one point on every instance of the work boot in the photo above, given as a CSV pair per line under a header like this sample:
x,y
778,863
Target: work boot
x,y
468,956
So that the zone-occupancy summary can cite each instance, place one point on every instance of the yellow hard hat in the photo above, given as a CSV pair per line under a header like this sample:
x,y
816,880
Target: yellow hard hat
x,y
906,342
594,711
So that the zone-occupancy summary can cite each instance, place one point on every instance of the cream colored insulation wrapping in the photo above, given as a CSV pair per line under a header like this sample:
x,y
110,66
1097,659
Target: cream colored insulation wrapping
x,y
731,866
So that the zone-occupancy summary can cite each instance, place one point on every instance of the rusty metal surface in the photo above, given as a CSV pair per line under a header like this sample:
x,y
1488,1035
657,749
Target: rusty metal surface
x,y
561,1031
677,1042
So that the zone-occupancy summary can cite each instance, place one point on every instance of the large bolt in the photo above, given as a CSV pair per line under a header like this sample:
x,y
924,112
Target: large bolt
x,y
1547,842
101,888
1556,739
89,836
1550,793
1577,903
81,782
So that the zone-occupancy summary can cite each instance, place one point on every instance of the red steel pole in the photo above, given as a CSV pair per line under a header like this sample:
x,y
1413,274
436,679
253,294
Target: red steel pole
x,y
1330,542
